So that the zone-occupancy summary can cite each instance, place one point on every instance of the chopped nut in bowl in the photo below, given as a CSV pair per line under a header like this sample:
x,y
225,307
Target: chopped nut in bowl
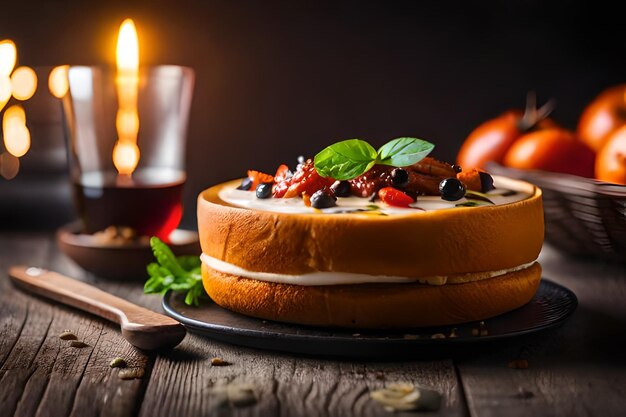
x,y
117,252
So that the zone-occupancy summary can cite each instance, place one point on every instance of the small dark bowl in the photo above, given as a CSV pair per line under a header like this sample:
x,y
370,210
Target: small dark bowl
x,y
583,217
126,261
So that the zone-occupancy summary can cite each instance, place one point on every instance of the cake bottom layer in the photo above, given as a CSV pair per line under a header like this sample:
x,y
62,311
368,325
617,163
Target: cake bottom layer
x,y
380,306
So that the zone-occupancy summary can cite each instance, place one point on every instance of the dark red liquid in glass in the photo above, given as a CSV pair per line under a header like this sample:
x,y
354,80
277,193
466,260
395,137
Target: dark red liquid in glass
x,y
150,201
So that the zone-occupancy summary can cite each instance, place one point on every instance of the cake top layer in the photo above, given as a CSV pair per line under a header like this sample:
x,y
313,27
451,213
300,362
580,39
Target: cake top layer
x,y
506,191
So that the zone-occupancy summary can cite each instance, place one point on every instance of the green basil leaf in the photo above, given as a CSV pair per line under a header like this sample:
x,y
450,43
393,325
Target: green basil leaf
x,y
345,160
402,152
188,262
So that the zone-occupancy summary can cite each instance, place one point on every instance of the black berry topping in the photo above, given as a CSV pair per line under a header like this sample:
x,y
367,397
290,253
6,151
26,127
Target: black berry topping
x,y
451,189
399,177
264,190
323,198
246,183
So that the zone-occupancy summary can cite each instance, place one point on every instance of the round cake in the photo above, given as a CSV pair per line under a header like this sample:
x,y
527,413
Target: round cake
x,y
369,264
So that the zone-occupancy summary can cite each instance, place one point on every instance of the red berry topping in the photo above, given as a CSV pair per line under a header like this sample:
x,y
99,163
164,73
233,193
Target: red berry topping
x,y
305,180
393,197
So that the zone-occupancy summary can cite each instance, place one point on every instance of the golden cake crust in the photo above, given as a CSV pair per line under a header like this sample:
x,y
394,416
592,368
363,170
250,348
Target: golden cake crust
x,y
421,244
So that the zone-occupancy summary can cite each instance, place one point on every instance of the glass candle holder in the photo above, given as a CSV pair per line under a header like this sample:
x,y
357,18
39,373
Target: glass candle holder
x,y
127,179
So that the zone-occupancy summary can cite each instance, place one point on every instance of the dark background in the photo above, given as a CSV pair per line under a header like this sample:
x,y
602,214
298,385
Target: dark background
x,y
276,79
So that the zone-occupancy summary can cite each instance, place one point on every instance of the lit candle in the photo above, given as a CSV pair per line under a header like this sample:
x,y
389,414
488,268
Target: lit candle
x,y
126,151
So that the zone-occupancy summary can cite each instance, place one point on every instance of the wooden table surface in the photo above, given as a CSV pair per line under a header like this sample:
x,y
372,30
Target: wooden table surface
x,y
575,370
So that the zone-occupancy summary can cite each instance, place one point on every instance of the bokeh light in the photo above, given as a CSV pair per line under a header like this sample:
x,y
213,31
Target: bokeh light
x,y
5,91
8,57
58,81
23,83
16,134
9,166
13,116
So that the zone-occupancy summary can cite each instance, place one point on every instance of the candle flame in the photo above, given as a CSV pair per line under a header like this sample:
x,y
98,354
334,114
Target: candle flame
x,y
23,83
8,57
16,134
127,47
58,82
126,152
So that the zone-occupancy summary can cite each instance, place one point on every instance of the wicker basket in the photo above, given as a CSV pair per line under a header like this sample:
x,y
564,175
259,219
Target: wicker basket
x,y
583,217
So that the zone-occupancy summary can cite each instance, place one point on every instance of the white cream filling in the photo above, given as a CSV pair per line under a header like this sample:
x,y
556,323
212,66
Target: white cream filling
x,y
343,278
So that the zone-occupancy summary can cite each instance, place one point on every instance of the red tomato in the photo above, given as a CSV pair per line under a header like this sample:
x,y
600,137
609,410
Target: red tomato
x,y
393,197
491,140
602,116
556,150
611,160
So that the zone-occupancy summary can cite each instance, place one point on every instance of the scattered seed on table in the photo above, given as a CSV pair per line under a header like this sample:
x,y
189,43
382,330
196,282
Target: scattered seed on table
x,y
78,344
241,395
67,335
118,363
131,373
219,362
401,396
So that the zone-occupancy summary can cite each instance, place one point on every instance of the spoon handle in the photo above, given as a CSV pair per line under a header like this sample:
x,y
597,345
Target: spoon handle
x,y
138,321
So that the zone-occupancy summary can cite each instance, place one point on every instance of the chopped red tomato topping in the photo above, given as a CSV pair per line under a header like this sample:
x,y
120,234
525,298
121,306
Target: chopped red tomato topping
x,y
393,197
258,177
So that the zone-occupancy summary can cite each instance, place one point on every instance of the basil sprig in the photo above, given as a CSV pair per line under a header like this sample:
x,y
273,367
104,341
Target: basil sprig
x,y
346,159
350,158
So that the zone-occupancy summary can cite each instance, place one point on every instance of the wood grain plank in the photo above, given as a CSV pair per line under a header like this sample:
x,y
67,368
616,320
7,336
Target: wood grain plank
x,y
24,341
57,367
182,382
100,391
576,370
285,385
12,320
44,375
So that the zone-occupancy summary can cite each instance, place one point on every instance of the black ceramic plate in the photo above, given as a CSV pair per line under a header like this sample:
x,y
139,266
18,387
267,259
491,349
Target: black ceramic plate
x,y
550,307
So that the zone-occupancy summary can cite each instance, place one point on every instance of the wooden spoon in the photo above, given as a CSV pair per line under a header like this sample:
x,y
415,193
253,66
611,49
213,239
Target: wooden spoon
x,y
142,328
